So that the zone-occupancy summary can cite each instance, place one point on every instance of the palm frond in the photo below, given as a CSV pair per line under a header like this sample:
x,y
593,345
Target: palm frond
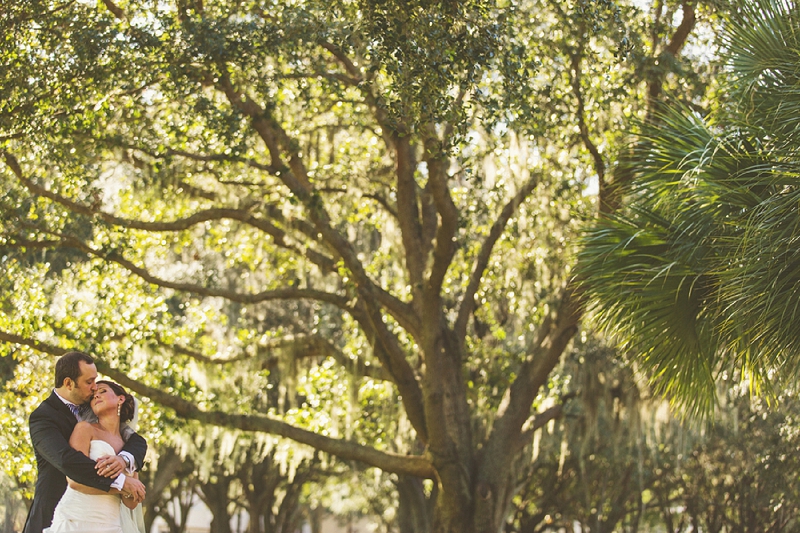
x,y
700,272
763,50
647,290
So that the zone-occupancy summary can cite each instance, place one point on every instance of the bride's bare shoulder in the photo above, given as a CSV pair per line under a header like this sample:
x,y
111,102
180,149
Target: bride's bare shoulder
x,y
84,429
81,437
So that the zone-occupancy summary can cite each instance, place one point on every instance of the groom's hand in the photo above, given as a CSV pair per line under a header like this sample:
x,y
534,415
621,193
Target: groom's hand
x,y
110,466
134,489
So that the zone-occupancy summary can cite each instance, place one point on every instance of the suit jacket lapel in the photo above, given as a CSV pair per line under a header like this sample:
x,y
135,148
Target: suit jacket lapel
x,y
61,407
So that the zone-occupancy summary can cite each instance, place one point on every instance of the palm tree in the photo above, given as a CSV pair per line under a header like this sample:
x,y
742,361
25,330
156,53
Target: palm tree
x,y
699,273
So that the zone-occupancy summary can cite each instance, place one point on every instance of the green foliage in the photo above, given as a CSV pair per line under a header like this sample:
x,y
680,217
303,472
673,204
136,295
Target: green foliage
x,y
739,476
18,397
322,216
699,273
619,460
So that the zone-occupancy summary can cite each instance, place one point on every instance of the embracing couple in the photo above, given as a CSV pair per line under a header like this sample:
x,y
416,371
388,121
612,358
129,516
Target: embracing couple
x,y
87,454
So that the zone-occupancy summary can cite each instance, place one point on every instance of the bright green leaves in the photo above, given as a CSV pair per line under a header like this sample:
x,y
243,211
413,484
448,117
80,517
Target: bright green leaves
x,y
278,205
700,273
763,47
431,53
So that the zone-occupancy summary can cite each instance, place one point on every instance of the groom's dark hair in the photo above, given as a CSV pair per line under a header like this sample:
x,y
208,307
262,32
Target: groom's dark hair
x,y
69,366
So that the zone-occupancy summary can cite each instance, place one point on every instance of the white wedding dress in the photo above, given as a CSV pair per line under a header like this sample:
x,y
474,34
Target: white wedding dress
x,y
95,513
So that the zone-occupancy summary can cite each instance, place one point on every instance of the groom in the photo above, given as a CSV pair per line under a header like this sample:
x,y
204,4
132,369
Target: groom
x,y
51,425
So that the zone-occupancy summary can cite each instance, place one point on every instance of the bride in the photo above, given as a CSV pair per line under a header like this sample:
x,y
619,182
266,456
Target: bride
x,y
85,509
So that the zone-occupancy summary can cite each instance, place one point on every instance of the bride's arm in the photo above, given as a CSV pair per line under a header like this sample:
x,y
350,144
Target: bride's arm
x,y
81,440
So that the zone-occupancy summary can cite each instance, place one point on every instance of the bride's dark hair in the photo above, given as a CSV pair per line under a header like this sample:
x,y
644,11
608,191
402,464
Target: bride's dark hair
x,y
128,406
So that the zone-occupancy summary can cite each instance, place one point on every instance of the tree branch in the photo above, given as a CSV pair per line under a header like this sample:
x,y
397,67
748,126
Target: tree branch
x,y
597,158
335,76
408,210
295,176
301,347
554,334
412,465
393,359
205,158
115,9
242,215
683,30
673,48
445,246
347,63
289,293
557,329
377,197
274,137
407,199
485,253
296,179
611,191
539,421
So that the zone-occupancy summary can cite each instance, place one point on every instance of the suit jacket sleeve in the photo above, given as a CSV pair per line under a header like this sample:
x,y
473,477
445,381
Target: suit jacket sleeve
x,y
137,447
51,444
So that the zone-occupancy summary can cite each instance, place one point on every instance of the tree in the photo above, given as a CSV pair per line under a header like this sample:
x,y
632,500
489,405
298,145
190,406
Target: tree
x,y
737,476
595,466
700,273
388,185
16,453
170,486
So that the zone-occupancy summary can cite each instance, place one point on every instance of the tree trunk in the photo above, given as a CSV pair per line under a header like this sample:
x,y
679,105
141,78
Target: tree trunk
x,y
256,508
9,515
449,430
413,509
221,521
315,517
215,496
149,515
170,466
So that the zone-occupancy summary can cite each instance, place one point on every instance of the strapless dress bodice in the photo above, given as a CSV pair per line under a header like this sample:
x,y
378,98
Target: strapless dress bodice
x,y
88,513
100,448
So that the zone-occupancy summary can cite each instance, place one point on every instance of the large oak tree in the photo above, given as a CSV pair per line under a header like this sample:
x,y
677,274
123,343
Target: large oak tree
x,y
391,186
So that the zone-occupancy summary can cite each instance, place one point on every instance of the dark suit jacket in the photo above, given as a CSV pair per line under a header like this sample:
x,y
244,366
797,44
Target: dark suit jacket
x,y
51,425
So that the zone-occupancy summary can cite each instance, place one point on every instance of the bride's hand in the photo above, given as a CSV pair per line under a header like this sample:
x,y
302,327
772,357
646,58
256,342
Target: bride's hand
x,y
129,501
133,492
110,466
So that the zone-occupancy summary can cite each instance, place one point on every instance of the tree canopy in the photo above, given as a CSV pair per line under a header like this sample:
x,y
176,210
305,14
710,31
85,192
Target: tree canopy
x,y
371,201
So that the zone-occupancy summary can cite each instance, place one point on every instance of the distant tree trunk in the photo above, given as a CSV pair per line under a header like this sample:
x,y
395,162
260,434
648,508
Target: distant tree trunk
x,y
170,467
414,508
215,496
259,510
261,498
9,518
315,518
288,515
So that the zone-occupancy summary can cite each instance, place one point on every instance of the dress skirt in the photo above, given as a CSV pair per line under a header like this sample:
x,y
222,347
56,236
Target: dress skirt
x,y
86,513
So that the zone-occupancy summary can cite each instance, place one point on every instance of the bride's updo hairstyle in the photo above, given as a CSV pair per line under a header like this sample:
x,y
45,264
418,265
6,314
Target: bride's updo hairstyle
x,y
128,406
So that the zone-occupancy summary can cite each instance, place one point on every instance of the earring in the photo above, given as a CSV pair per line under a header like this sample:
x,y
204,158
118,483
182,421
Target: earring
x,y
119,409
